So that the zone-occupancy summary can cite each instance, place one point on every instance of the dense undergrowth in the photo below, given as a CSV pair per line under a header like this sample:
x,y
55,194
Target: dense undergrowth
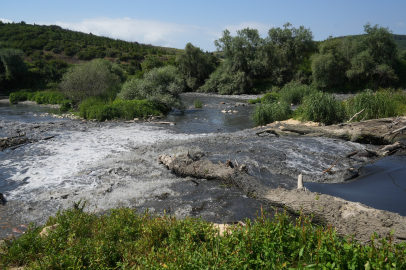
x,y
120,109
123,239
42,97
323,107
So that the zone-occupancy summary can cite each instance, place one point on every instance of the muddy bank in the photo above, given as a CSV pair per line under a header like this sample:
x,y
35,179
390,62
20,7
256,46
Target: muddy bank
x,y
350,218
375,131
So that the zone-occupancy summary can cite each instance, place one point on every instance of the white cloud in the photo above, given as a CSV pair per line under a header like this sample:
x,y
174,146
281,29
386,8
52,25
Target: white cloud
x,y
401,24
143,31
5,20
157,32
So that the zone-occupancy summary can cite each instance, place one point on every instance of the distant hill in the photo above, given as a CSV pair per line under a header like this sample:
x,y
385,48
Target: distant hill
x,y
72,46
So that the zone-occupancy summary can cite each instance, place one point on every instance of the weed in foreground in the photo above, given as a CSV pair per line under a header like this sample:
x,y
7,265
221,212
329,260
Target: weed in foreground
x,y
124,239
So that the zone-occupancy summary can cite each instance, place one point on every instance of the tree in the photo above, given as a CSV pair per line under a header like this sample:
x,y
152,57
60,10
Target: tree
x,y
195,65
162,85
94,78
12,64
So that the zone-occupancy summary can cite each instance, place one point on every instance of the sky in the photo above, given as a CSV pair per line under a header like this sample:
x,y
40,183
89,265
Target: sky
x,y
177,22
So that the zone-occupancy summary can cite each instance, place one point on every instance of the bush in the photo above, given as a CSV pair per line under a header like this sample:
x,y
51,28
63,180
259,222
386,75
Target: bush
x,y
322,107
94,78
44,97
294,92
384,103
20,96
162,85
267,98
270,112
56,50
120,109
198,104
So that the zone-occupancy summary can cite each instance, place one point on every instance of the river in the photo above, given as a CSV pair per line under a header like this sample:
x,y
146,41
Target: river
x,y
114,164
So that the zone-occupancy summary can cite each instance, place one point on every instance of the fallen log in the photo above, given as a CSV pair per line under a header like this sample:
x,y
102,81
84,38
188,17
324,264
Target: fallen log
x,y
394,131
385,150
205,169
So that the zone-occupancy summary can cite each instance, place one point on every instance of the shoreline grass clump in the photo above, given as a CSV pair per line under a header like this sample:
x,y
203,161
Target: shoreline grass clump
x,y
42,97
321,107
294,92
95,108
122,239
198,104
381,104
270,112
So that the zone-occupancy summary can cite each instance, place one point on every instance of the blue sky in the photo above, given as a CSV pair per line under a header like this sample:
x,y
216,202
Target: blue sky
x,y
175,23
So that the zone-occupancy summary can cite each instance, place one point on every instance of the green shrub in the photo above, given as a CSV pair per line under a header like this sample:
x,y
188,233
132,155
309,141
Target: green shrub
x,y
294,92
122,239
121,109
97,77
162,85
270,112
384,103
267,98
322,107
198,104
19,96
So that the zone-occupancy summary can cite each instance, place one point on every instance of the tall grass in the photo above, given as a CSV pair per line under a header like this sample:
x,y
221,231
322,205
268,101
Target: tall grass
x,y
295,92
322,107
123,239
198,104
383,103
42,97
270,112
96,108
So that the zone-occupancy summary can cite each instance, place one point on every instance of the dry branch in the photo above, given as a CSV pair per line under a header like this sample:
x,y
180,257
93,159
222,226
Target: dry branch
x,y
355,115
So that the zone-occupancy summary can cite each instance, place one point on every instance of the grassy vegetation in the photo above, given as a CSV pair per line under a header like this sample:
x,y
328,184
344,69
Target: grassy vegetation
x,y
42,97
322,107
294,92
271,112
383,103
96,108
123,239
198,104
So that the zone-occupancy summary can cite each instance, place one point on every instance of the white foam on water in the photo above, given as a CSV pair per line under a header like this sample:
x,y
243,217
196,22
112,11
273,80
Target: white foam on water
x,y
67,157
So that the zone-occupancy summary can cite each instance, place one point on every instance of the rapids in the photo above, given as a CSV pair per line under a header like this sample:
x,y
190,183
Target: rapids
x,y
114,164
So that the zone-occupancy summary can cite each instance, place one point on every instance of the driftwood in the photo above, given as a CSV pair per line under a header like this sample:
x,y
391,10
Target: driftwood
x,y
355,115
351,154
385,150
331,166
205,169
400,129
164,123
373,131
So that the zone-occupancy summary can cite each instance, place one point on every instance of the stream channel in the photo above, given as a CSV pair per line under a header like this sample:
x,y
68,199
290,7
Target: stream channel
x,y
115,164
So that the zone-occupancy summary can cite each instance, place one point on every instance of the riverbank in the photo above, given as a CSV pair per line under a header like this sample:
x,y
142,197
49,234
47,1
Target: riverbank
x,y
110,165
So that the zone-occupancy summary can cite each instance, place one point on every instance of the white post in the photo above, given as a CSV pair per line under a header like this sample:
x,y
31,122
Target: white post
x,y
300,181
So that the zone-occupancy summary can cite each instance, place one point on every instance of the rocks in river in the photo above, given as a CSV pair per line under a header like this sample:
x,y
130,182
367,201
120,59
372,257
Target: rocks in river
x,y
222,103
2,200
238,104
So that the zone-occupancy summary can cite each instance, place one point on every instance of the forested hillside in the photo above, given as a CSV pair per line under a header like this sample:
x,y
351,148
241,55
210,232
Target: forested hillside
x,y
35,40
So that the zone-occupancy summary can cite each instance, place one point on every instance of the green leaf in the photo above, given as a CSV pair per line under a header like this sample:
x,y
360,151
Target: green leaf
x,y
301,252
